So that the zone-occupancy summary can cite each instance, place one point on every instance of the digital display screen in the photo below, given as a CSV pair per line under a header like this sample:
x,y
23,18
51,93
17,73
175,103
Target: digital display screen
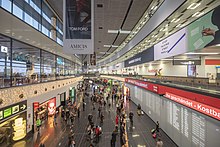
x,y
191,70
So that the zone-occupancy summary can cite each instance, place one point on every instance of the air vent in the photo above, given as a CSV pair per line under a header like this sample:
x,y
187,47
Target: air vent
x,y
100,27
99,5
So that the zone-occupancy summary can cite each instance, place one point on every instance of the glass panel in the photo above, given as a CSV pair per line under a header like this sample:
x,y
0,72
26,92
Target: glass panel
x,y
60,68
25,64
5,70
6,4
48,69
28,19
45,30
17,11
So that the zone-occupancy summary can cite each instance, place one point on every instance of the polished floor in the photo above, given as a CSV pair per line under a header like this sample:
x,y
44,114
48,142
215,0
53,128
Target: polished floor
x,y
57,135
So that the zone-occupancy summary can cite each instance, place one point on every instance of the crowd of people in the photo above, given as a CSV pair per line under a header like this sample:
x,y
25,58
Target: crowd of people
x,y
101,101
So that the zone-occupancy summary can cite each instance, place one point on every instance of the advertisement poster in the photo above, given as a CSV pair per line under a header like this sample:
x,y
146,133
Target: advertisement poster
x,y
78,26
173,45
205,31
93,59
191,70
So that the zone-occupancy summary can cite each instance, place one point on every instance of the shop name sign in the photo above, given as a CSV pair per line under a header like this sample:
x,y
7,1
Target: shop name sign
x,y
134,60
205,109
12,110
186,62
145,85
140,84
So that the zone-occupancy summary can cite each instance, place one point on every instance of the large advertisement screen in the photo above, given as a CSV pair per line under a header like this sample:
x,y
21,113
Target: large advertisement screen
x,y
205,31
78,26
174,45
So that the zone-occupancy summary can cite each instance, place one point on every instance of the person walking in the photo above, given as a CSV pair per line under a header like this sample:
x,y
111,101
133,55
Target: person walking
x,y
84,104
55,119
159,143
113,140
157,126
38,122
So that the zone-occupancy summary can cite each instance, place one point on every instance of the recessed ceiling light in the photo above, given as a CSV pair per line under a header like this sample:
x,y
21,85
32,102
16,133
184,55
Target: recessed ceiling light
x,y
197,14
201,53
177,20
193,6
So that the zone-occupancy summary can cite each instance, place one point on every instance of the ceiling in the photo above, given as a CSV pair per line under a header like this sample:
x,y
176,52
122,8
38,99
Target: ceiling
x,y
113,15
168,27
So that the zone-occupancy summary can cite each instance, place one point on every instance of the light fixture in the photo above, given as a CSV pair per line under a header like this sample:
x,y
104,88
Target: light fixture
x,y
113,31
198,14
190,53
217,45
193,6
177,20
124,32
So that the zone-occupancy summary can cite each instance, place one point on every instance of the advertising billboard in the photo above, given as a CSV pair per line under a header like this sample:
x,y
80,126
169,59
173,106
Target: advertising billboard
x,y
140,58
173,45
78,26
204,31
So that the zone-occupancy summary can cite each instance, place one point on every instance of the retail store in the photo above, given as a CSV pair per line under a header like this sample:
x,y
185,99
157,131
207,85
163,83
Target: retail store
x,y
72,94
44,111
13,123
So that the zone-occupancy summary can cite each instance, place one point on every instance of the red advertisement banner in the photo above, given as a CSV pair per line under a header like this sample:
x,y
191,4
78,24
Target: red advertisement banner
x,y
202,108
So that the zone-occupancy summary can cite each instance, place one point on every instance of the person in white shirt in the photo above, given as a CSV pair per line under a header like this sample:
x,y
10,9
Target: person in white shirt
x,y
159,143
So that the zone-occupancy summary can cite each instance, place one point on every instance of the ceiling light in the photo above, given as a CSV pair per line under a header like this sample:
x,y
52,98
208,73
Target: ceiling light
x,y
124,32
177,20
193,6
178,25
114,45
155,7
107,45
198,14
217,45
201,53
173,20
113,31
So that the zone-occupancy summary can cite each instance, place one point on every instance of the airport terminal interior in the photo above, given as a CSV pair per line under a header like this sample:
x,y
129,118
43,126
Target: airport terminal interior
x,y
110,73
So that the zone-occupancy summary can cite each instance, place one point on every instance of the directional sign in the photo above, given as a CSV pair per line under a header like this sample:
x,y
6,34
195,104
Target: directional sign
x,y
12,110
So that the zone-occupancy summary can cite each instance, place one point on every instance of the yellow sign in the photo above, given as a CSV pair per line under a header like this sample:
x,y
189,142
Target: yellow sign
x,y
19,127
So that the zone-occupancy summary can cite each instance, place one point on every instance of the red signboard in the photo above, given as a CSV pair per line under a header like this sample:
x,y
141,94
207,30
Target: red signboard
x,y
146,85
36,105
205,109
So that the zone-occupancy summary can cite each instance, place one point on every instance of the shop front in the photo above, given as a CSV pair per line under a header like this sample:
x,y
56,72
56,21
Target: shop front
x,y
72,94
13,123
126,92
44,111
63,100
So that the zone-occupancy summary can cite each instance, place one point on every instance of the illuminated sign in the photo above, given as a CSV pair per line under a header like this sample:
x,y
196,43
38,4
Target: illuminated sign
x,y
1,115
15,109
12,110
52,106
19,128
4,49
205,109
7,112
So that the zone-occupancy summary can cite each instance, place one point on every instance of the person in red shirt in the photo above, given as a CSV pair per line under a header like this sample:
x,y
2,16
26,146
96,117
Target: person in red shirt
x,y
116,120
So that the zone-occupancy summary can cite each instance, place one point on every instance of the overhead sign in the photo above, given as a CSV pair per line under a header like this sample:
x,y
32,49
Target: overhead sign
x,y
12,110
143,84
174,45
186,62
78,26
140,58
205,109
4,49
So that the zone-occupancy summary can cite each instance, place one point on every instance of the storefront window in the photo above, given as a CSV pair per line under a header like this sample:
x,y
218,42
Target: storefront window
x,y
25,64
60,68
48,69
13,129
5,70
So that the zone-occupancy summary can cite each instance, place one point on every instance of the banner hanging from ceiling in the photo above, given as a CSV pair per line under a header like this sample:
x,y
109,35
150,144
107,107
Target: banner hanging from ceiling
x,y
78,26
93,59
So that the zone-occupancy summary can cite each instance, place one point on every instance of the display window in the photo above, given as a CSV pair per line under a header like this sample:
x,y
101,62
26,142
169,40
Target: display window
x,y
43,110
13,129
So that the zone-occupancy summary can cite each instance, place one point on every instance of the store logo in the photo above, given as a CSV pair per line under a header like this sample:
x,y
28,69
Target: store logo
x,y
78,46
78,28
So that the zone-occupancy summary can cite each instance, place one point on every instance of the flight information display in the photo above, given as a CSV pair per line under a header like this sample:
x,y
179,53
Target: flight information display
x,y
185,126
